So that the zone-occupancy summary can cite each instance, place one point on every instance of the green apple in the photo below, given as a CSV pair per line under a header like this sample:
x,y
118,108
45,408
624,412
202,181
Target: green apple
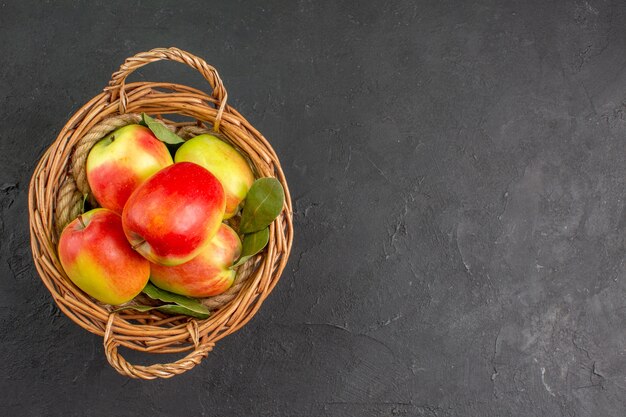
x,y
223,161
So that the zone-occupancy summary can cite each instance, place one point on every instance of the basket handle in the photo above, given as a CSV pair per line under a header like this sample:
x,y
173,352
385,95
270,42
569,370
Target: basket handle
x,y
167,370
117,84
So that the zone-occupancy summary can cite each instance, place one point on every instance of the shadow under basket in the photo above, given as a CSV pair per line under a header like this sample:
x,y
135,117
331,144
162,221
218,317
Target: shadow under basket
x,y
56,195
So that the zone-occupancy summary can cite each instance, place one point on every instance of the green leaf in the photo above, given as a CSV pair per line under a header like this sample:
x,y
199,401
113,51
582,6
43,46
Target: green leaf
x,y
263,204
168,297
161,132
176,309
253,243
172,309
137,307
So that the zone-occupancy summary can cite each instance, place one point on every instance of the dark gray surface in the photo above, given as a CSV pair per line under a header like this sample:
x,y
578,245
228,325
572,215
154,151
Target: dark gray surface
x,y
457,173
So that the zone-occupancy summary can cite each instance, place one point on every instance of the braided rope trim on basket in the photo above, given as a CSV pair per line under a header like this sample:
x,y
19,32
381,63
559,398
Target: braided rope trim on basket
x,y
75,187
68,205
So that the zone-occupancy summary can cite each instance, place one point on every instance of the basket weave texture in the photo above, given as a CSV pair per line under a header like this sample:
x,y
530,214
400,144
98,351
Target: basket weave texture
x,y
56,195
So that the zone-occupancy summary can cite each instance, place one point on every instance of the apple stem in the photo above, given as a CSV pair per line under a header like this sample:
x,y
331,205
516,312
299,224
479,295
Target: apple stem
x,y
82,222
138,244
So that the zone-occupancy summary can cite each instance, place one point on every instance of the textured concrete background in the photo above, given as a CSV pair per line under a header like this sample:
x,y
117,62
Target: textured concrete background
x,y
458,175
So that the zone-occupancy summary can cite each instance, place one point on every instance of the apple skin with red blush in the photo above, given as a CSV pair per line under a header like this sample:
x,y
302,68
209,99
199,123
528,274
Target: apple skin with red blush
x,y
174,214
96,256
207,274
121,162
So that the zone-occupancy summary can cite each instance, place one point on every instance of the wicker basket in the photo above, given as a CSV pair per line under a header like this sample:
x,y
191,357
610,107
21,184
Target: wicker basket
x,y
56,193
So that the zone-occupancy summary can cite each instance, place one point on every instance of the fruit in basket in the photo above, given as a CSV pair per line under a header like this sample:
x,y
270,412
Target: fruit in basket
x,y
224,162
123,160
96,256
205,275
173,215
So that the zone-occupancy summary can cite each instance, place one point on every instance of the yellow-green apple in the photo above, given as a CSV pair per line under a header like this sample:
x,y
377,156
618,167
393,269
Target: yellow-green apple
x,y
174,214
205,275
224,162
97,258
121,161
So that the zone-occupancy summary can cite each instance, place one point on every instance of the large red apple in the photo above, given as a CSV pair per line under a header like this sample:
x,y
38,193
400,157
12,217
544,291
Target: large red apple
x,y
97,258
172,216
121,161
205,275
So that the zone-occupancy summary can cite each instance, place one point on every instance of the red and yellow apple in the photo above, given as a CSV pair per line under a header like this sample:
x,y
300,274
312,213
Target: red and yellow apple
x,y
223,161
205,275
173,215
123,160
97,258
